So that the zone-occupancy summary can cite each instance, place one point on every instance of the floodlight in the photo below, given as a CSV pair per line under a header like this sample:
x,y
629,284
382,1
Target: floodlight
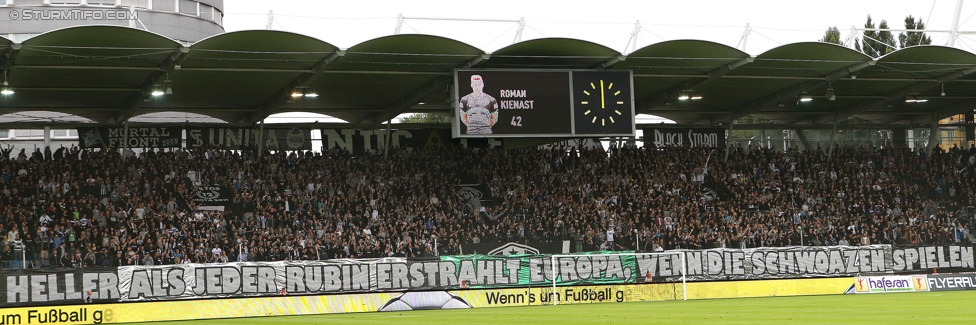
x,y
805,98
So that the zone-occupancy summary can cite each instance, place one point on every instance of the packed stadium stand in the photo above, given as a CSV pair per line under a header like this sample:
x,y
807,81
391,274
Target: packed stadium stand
x,y
75,208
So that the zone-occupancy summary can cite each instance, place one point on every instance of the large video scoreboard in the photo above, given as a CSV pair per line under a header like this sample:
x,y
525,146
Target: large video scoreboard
x,y
543,103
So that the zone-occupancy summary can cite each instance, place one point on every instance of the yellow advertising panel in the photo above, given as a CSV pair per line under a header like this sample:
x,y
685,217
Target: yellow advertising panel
x,y
195,309
401,301
768,288
571,295
653,292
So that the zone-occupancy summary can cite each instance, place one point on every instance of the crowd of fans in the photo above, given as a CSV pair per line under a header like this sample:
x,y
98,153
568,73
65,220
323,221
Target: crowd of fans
x,y
96,208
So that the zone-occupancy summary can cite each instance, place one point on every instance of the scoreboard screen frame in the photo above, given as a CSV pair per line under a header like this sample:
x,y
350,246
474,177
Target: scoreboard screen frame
x,y
507,103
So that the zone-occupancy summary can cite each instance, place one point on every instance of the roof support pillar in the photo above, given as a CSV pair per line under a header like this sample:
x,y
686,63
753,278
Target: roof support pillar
x,y
632,42
744,40
802,137
833,138
125,139
954,33
728,144
935,137
388,136
261,138
762,137
520,30
47,137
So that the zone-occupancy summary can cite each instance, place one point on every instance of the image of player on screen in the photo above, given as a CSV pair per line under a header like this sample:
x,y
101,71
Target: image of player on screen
x,y
478,110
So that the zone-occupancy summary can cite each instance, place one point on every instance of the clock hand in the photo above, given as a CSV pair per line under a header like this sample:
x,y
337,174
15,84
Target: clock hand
x,y
603,101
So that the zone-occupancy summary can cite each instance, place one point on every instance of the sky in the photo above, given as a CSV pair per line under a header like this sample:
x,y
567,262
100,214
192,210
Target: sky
x,y
611,23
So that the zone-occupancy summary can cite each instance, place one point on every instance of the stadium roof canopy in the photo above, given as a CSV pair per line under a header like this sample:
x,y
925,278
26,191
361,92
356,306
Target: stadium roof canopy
x,y
106,74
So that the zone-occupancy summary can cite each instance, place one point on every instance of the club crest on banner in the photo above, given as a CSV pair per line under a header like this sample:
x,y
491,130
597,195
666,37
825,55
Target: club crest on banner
x,y
296,138
467,193
92,138
513,249
425,300
208,193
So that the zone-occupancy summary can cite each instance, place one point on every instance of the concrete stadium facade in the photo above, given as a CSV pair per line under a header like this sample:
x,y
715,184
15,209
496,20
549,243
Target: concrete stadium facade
x,y
187,21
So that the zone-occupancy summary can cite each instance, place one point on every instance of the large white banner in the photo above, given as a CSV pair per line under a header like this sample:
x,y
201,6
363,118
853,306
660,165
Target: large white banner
x,y
249,279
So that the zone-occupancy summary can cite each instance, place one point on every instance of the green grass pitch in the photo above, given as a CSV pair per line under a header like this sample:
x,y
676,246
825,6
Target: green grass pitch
x,y
954,307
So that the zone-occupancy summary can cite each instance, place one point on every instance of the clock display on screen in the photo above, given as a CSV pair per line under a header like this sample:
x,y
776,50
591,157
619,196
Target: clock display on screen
x,y
499,103
602,102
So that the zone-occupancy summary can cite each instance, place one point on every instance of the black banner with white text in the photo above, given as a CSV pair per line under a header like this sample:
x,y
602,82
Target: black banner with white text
x,y
249,138
684,137
138,137
359,141
951,282
213,196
